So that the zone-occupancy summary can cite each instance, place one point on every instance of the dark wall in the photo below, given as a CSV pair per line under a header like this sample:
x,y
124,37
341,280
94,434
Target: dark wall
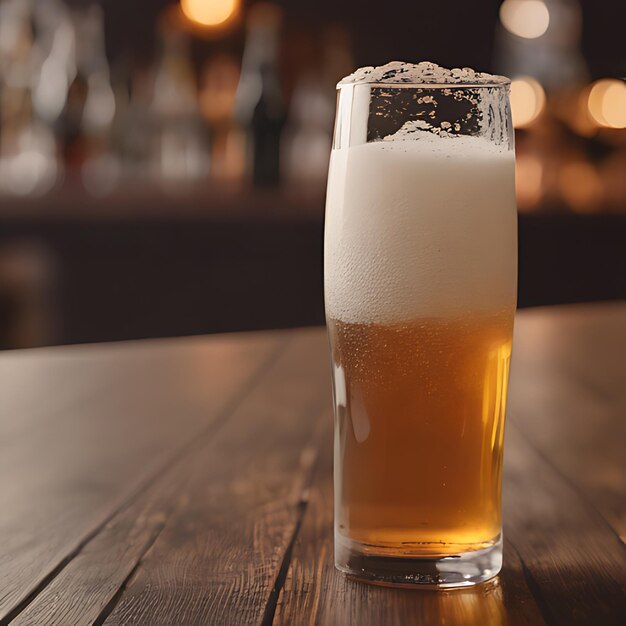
x,y
129,278
567,258
451,32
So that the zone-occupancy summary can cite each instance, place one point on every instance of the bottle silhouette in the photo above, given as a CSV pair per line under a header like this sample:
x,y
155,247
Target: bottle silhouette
x,y
260,105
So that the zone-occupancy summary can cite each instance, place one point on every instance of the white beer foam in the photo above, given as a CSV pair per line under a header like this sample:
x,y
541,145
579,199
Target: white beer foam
x,y
420,228
425,72
437,139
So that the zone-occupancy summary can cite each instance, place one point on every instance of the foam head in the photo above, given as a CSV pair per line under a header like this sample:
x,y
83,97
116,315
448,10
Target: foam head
x,y
425,73
422,222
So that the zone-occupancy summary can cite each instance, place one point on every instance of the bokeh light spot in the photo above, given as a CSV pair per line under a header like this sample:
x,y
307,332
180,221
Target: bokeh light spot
x,y
528,19
527,100
607,103
209,12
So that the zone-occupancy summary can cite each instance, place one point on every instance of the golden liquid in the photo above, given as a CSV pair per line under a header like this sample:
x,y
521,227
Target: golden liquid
x,y
420,421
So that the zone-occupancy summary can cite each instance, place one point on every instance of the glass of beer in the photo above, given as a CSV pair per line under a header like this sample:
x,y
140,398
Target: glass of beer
x,y
420,286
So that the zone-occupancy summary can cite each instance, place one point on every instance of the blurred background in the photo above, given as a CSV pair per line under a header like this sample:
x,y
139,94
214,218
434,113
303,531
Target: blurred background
x,y
163,162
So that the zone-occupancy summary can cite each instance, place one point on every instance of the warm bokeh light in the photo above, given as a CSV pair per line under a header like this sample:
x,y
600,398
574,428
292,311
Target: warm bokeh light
x,y
209,12
528,181
614,105
527,100
607,103
580,186
525,18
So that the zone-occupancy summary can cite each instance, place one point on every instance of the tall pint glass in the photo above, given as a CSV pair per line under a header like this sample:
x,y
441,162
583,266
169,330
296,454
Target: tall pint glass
x,y
420,289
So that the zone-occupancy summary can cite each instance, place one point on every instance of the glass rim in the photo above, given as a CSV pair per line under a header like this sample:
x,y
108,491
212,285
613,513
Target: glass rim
x,y
502,82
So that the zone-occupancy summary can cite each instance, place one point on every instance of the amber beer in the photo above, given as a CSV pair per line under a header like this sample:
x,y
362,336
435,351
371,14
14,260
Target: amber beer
x,y
421,432
420,266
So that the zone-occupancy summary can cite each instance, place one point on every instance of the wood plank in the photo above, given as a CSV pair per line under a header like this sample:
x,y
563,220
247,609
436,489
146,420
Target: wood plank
x,y
69,468
573,561
207,536
568,396
93,578
204,543
218,557
34,386
315,593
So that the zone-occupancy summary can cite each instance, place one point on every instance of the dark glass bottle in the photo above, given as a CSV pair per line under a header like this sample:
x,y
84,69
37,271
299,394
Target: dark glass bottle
x,y
260,107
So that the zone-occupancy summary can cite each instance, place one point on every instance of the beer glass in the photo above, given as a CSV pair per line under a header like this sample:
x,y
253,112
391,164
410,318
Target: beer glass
x,y
420,269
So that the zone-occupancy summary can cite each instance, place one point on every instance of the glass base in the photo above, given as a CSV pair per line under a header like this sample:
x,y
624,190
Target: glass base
x,y
430,572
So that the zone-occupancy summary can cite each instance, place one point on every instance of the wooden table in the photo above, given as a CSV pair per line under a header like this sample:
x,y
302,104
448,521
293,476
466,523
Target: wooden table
x,y
188,481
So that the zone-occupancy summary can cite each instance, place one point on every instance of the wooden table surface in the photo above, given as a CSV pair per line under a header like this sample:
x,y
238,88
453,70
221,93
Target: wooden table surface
x,y
188,481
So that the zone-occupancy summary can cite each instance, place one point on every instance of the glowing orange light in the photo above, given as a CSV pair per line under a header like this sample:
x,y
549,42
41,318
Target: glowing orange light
x,y
527,101
528,19
528,181
607,103
209,12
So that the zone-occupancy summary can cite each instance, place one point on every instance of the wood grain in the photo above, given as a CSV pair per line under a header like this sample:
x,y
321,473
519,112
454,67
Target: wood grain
x,y
95,576
102,422
218,557
568,396
189,482
573,560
